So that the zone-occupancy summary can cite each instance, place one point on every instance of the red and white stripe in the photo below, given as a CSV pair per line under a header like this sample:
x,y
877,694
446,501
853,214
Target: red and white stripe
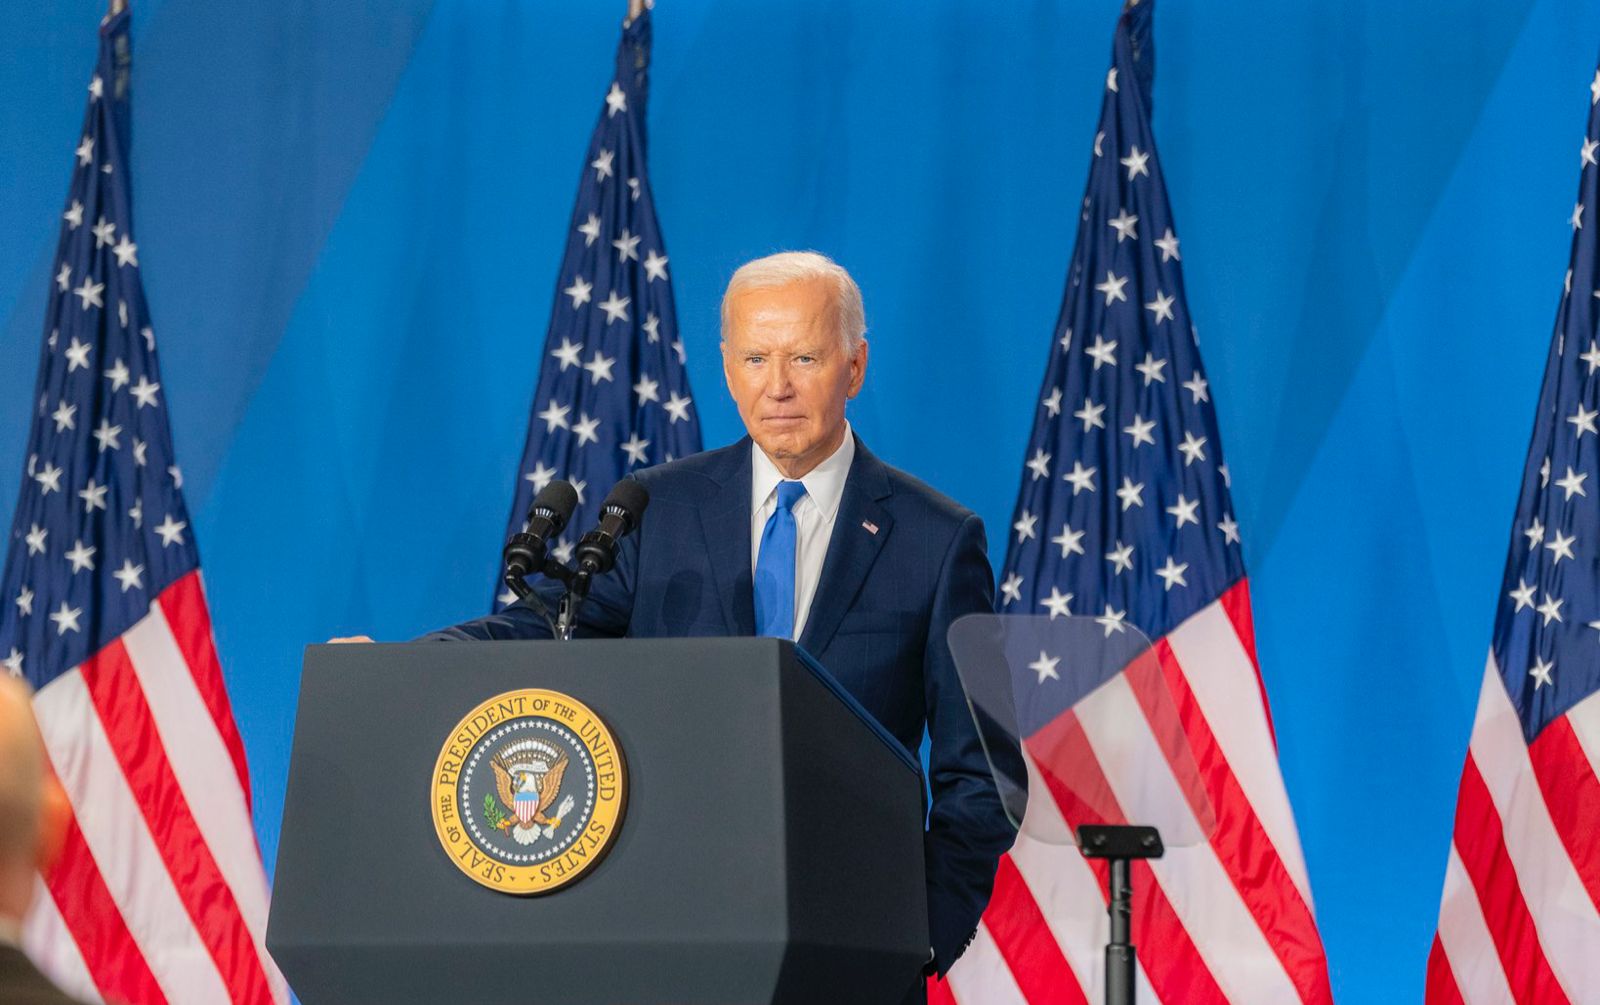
x,y
159,894
1519,920
1228,919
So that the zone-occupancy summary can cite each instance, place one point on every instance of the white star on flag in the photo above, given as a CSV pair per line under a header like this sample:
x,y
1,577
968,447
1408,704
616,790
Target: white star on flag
x,y
1082,478
1112,287
1058,603
635,448
647,389
1011,589
555,416
584,429
678,407
1040,465
599,367
1136,163
567,353
580,292
540,476
171,531
1172,573
616,307
627,246
78,354
616,99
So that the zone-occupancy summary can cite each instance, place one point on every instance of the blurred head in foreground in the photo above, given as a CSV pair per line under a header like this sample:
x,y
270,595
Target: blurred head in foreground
x,y
33,809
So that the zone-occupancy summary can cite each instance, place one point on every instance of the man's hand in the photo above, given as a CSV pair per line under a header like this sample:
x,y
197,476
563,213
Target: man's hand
x,y
352,638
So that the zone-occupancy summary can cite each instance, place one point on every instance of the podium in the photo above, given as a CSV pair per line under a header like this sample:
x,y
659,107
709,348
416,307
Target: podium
x,y
770,849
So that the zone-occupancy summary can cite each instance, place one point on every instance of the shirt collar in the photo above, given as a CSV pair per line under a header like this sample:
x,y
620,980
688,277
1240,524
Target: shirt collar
x,y
824,483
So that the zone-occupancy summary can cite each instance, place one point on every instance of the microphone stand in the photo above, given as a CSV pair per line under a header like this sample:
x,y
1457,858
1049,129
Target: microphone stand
x,y
561,624
577,589
577,584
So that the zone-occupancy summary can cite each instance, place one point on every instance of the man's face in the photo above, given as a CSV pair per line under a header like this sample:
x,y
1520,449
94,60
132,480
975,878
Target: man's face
x,y
788,372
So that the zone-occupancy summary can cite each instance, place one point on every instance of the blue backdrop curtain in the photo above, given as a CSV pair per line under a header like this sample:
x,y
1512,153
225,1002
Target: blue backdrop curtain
x,y
350,217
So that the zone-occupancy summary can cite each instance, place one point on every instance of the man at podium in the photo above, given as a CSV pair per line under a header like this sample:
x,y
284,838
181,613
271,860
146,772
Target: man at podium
x,y
797,531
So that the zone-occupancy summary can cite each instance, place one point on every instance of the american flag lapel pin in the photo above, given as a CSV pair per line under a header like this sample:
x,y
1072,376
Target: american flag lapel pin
x,y
871,527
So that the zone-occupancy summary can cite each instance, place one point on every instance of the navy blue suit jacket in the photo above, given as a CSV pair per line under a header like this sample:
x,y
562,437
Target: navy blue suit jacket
x,y
883,604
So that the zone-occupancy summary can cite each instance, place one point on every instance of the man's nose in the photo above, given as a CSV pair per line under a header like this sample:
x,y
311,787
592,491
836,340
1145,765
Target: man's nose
x,y
778,380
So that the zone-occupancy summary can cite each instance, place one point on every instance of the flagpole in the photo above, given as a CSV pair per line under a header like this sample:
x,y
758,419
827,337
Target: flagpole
x,y
116,7
635,8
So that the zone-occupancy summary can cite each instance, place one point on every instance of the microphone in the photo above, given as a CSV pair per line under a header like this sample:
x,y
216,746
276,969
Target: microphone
x,y
619,517
551,509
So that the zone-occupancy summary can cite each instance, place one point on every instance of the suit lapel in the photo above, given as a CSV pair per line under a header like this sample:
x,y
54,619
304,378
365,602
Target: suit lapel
x,y
726,523
859,531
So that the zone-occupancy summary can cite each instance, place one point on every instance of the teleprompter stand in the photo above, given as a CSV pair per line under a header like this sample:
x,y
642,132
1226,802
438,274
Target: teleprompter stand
x,y
1120,845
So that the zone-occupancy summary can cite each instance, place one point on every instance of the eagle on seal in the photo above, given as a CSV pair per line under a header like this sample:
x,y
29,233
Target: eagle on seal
x,y
528,788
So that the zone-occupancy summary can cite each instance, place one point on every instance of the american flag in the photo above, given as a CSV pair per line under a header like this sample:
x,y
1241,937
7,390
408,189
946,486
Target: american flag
x,y
1518,919
613,393
159,895
1124,515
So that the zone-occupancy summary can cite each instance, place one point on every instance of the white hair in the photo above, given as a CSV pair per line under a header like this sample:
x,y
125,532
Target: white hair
x,y
786,267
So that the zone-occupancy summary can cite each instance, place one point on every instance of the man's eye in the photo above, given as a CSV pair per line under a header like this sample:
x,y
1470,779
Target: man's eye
x,y
755,359
805,359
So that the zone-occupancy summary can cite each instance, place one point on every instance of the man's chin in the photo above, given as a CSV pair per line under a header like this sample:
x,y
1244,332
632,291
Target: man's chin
x,y
786,453
777,452
780,446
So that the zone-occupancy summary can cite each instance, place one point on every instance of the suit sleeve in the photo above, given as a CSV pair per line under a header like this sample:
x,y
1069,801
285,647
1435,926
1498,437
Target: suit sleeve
x,y
604,615
968,829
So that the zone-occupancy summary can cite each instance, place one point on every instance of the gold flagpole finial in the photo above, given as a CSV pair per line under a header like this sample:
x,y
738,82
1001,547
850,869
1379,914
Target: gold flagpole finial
x,y
117,7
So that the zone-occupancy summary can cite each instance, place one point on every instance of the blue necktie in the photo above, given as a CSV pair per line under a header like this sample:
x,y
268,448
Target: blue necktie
x,y
774,582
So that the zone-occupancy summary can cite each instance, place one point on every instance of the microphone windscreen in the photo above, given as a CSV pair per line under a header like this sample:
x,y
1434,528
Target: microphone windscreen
x,y
560,498
630,497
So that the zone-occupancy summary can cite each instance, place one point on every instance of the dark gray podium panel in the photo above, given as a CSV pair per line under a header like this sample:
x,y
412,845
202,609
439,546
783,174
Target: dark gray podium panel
x,y
771,850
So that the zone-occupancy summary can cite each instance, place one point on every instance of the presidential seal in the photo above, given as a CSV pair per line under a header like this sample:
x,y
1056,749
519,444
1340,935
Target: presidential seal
x,y
528,792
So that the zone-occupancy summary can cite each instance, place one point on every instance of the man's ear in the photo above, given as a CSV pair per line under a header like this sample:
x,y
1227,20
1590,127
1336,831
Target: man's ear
x,y
54,813
858,370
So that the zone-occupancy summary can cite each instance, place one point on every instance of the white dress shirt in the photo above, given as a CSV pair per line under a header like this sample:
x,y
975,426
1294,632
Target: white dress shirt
x,y
814,515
